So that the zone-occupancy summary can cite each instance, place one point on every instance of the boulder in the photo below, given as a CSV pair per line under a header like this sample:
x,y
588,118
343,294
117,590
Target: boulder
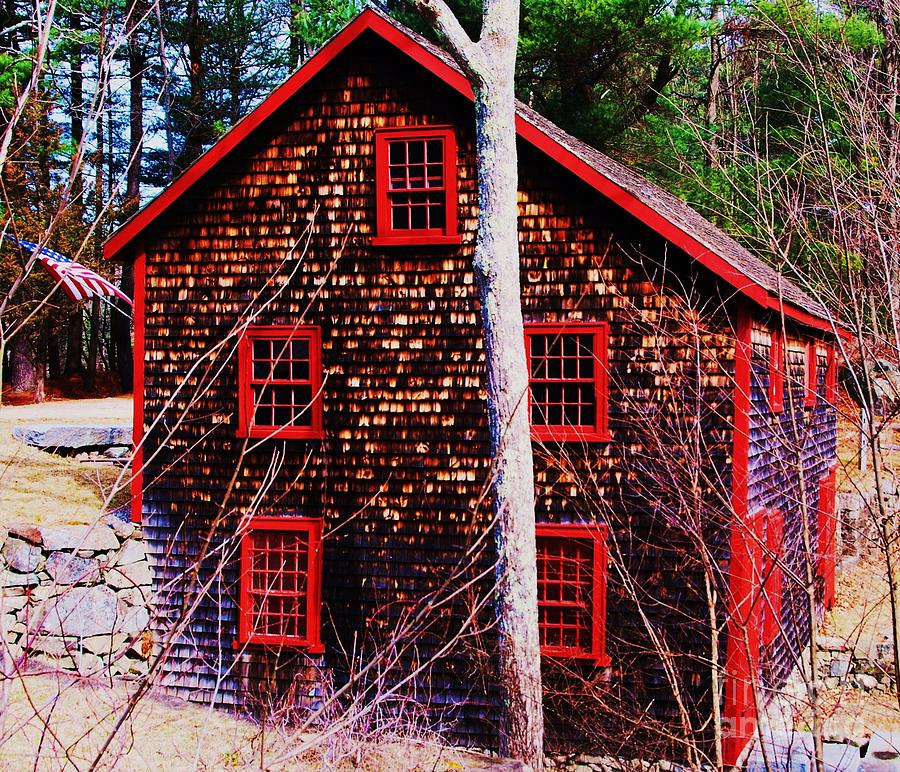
x,y
82,612
840,666
832,643
132,552
884,745
21,556
69,569
132,575
89,664
51,645
105,644
134,596
866,682
135,620
122,528
73,437
8,579
10,603
96,537
26,531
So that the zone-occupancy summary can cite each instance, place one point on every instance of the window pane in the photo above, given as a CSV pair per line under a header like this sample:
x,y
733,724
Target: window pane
x,y
565,584
415,151
563,388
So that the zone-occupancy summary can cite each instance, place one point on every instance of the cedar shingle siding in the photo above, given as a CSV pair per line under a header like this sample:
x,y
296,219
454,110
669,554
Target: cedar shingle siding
x,y
400,474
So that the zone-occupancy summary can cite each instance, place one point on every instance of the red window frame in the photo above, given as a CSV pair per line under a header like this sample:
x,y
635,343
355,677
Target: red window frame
x,y
776,371
247,383
386,233
599,430
812,373
582,535
247,621
772,573
827,535
831,376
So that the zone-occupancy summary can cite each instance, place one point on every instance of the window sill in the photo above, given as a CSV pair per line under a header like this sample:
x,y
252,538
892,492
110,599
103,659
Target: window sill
x,y
280,433
568,434
601,660
422,239
286,643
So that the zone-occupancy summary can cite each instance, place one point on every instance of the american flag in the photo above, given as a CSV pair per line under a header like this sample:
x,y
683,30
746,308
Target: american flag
x,y
78,282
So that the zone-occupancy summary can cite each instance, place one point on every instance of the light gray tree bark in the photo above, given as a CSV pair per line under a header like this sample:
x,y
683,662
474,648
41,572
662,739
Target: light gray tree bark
x,y
490,65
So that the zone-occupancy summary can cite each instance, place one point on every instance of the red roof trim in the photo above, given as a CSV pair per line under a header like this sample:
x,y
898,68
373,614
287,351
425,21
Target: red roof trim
x,y
239,132
371,20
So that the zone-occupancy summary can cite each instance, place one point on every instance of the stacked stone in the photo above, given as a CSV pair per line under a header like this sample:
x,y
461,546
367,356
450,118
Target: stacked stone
x,y
842,665
76,597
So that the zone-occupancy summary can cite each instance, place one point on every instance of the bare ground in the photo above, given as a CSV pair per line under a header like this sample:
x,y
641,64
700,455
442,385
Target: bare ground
x,y
59,722
40,487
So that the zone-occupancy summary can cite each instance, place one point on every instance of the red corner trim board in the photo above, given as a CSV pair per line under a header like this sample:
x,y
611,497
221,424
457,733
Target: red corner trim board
x,y
741,656
137,430
370,20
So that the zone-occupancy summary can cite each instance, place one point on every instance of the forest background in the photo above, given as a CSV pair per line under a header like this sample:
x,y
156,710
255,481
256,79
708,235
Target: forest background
x,y
776,120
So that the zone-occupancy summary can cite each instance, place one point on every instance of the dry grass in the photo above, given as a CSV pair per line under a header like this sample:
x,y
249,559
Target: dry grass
x,y
58,722
40,487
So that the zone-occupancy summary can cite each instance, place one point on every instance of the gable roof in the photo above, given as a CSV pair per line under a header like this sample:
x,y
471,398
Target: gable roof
x,y
666,214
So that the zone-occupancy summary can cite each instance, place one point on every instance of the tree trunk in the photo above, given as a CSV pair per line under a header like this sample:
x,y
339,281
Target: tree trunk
x,y
714,88
77,116
490,65
497,272
197,131
73,345
22,369
90,376
120,328
136,63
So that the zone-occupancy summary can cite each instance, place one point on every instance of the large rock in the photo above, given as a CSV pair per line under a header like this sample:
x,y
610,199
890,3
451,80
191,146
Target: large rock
x,y
123,528
95,537
73,437
19,580
105,644
27,531
132,552
69,569
21,556
81,612
132,575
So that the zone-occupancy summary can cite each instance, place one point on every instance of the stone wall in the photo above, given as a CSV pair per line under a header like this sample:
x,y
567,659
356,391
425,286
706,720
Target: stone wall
x,y
76,597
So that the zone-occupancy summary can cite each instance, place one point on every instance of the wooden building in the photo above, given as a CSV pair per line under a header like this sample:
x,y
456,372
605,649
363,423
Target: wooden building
x,y
312,435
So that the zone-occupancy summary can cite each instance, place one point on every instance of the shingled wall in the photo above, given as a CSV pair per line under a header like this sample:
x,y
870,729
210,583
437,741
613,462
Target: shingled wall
x,y
401,472
783,444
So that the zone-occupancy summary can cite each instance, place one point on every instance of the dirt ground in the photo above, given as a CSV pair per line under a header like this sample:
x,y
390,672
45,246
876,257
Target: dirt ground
x,y
57,722
40,487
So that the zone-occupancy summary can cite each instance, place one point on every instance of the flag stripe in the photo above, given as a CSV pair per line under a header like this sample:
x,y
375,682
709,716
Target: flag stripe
x,y
77,281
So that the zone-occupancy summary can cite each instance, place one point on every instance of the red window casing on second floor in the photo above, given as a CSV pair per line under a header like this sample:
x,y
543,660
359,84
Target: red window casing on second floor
x,y
831,376
776,371
571,575
280,587
811,394
280,382
415,186
568,380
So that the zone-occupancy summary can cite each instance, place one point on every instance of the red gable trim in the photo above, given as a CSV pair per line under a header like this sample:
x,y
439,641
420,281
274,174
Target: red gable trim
x,y
238,133
371,20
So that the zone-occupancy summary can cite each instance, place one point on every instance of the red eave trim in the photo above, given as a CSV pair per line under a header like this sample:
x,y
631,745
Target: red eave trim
x,y
370,20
